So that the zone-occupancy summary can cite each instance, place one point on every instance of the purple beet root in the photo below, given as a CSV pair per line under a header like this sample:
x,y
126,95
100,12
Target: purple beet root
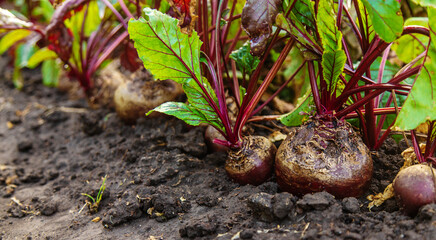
x,y
253,162
324,157
415,187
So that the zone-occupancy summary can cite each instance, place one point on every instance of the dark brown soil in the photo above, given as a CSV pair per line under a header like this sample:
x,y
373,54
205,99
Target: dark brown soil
x,y
161,182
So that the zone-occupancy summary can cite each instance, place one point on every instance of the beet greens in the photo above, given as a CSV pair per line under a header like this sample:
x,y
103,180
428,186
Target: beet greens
x,y
19,40
83,40
340,88
420,105
79,35
198,62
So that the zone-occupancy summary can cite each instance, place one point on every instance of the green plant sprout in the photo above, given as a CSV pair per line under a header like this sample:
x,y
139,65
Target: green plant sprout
x,y
93,206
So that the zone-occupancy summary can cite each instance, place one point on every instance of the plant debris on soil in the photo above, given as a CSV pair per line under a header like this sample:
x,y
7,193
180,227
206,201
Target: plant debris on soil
x,y
162,183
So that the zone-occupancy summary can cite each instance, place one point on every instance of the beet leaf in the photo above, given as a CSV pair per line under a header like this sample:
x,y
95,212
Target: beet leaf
x,y
410,46
197,100
304,12
245,62
333,57
50,71
365,23
420,105
386,18
40,56
170,54
309,46
300,112
184,112
12,37
164,49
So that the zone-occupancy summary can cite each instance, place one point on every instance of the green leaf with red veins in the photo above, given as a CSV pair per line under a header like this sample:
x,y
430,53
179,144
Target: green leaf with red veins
x,y
197,100
409,46
183,112
420,105
332,66
197,110
368,28
170,54
257,19
333,57
166,52
386,18
307,43
305,12
331,37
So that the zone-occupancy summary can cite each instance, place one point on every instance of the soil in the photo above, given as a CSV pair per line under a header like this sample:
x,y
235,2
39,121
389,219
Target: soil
x,y
162,183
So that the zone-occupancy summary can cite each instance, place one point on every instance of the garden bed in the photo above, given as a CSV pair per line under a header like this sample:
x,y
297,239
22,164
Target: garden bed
x,y
161,182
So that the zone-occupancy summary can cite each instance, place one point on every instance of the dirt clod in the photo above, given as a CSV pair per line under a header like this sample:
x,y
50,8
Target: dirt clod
x,y
350,205
25,145
427,213
199,228
317,201
127,208
163,204
91,123
282,205
208,200
246,234
261,205
269,207
48,207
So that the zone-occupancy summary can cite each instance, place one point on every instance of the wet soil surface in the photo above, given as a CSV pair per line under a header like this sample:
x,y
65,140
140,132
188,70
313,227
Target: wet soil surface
x,y
162,183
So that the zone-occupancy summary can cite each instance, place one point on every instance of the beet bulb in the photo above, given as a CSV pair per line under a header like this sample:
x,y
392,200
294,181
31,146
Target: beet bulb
x,y
326,156
253,162
415,187
134,99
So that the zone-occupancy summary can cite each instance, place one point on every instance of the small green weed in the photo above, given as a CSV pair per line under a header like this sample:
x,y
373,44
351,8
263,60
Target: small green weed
x,y
95,202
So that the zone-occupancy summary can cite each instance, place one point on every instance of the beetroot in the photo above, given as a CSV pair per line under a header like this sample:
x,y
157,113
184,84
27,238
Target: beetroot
x,y
134,99
326,156
415,187
253,162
